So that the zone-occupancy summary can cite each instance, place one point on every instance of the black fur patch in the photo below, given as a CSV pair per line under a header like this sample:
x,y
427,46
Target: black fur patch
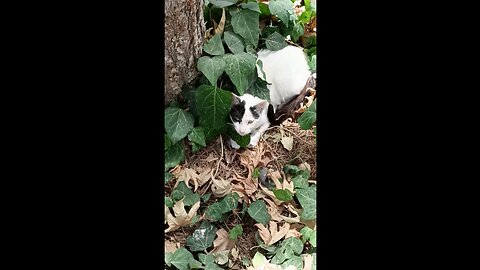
x,y
237,111
254,112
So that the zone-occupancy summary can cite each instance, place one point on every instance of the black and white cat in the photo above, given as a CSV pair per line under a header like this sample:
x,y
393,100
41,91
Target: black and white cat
x,y
287,72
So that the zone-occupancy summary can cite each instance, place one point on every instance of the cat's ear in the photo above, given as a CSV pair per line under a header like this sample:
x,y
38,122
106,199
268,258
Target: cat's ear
x,y
261,106
235,99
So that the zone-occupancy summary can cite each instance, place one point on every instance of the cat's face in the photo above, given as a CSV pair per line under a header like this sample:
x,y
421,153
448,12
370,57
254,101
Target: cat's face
x,y
246,113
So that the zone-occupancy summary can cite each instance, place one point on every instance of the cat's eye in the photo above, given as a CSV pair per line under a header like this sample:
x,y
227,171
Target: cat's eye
x,y
249,122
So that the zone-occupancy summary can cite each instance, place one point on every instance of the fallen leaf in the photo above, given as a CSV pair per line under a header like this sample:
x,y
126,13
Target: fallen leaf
x,y
230,156
211,158
293,233
305,166
181,217
273,210
221,257
307,261
235,253
186,175
221,187
170,246
287,142
251,185
222,242
261,263
271,235
292,210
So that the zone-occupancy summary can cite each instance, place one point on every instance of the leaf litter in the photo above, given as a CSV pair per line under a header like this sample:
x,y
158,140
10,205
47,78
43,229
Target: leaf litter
x,y
219,169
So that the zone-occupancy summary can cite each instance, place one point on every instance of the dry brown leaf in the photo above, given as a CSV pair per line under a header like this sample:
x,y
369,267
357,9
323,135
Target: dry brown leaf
x,y
211,158
292,210
221,187
235,253
221,24
307,261
251,185
273,210
271,235
310,223
186,175
222,242
230,156
287,142
293,233
181,217
170,246
305,166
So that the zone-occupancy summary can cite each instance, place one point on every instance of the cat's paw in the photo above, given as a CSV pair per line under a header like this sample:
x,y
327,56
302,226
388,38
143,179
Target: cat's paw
x,y
234,144
254,141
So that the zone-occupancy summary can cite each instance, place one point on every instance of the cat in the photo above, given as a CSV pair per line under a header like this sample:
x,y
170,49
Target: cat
x,y
287,72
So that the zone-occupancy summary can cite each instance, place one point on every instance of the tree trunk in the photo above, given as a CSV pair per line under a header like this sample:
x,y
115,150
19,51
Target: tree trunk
x,y
184,32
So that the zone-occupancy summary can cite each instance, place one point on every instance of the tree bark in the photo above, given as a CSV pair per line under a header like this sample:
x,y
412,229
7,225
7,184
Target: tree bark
x,y
184,32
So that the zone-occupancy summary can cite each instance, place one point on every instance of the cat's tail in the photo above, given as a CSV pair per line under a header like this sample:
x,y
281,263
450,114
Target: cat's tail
x,y
288,110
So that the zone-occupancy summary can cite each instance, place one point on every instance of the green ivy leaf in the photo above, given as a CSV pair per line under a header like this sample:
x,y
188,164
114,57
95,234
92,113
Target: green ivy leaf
x,y
168,202
309,235
245,23
196,147
282,9
227,204
177,195
181,259
190,197
256,173
206,258
223,3
202,237
307,119
234,42
214,46
288,249
206,197
300,181
312,63
177,123
211,67
211,133
251,5
168,143
240,68
197,135
258,211
243,141
235,232
308,201
259,89
305,16
283,195
167,176
194,220
174,155
212,266
214,211
275,42
297,31
291,169
264,9
213,106
296,261
230,202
